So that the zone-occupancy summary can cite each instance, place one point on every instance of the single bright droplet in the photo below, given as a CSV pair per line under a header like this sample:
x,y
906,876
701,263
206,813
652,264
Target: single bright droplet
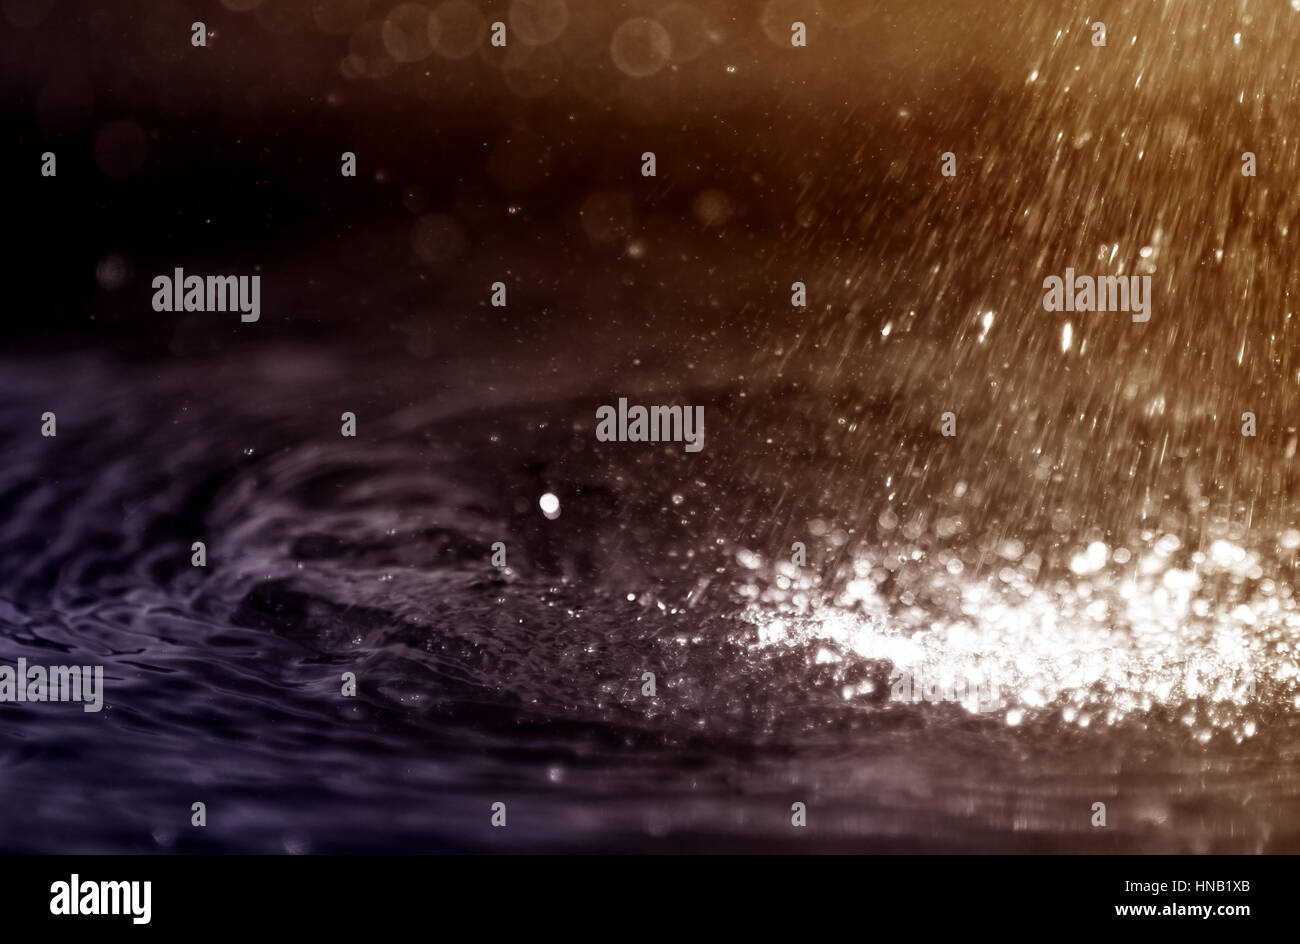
x,y
550,506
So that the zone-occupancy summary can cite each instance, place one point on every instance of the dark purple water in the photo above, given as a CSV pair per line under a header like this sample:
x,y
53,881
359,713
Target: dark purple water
x,y
477,684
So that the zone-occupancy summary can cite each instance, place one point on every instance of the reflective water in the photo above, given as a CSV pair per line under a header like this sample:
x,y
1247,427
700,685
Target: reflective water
x,y
1123,659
